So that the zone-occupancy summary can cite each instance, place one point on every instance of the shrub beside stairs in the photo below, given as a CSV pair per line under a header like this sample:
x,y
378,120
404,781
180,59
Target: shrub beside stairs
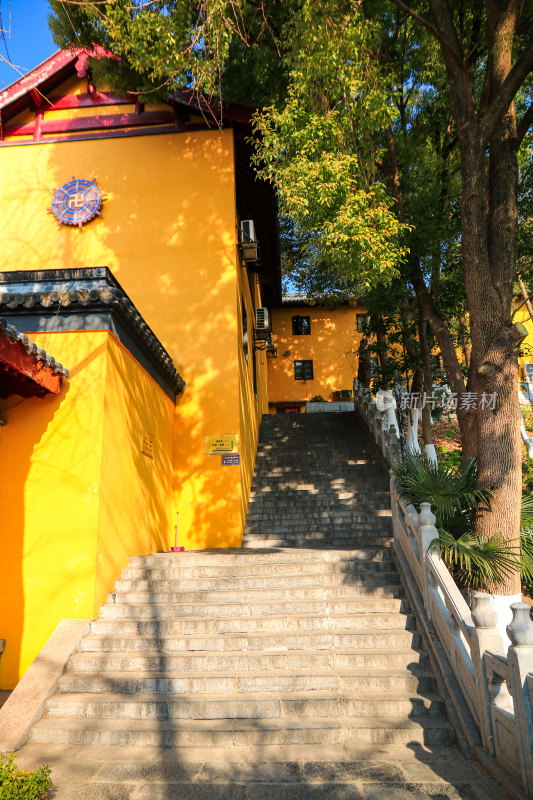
x,y
288,669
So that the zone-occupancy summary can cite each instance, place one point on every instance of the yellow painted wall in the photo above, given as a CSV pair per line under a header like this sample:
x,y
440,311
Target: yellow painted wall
x,y
252,405
136,490
331,345
168,233
72,489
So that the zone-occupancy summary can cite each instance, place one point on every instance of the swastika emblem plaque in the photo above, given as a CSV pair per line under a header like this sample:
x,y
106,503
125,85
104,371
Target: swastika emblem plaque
x,y
77,202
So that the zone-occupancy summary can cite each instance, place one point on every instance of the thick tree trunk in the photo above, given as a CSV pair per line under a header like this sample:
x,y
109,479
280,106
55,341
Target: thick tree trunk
x,y
489,258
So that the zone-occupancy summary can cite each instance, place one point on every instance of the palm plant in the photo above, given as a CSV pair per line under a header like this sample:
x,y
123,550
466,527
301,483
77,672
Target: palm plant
x,y
475,562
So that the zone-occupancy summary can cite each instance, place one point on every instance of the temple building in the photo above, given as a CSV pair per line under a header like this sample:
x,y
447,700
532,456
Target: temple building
x,y
139,257
316,349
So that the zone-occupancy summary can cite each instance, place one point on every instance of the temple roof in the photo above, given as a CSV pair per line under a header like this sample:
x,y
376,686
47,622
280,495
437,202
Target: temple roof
x,y
62,293
25,368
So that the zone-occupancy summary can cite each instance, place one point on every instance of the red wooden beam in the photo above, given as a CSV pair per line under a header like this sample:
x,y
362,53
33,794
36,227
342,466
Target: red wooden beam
x,y
21,373
87,100
37,98
105,121
37,137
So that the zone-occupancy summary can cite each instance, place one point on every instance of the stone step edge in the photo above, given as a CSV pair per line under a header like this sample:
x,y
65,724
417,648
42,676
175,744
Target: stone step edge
x,y
344,651
272,723
342,672
245,697
255,634
304,615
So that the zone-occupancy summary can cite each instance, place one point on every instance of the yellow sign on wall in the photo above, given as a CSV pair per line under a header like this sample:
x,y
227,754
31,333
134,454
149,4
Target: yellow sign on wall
x,y
227,443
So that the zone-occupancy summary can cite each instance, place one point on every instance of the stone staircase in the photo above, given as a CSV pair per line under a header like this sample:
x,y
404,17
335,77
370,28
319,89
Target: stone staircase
x,y
319,482
282,670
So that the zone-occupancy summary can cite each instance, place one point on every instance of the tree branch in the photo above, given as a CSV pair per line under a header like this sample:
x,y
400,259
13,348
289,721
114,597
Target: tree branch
x,y
434,32
524,125
508,90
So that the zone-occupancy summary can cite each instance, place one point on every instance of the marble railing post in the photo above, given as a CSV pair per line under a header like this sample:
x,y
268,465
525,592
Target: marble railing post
x,y
484,637
520,658
427,532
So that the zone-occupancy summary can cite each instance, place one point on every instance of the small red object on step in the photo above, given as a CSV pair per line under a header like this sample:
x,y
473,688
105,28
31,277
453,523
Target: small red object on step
x,y
177,549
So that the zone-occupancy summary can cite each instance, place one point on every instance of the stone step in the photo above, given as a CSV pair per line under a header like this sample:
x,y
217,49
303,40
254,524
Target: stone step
x,y
171,604
354,606
255,705
155,576
260,540
373,660
234,557
303,640
186,626
242,733
170,590
165,681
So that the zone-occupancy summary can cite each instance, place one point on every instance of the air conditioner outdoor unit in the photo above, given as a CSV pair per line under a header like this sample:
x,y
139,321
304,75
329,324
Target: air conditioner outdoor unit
x,y
249,246
262,327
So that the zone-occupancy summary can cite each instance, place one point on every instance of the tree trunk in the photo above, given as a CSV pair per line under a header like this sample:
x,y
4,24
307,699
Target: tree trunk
x,y
427,380
364,370
489,234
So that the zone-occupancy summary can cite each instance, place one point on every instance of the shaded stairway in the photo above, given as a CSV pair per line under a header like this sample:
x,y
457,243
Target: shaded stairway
x,y
267,672
319,481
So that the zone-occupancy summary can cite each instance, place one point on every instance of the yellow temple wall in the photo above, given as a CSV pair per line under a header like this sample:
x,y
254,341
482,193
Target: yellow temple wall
x,y
252,404
168,233
73,488
135,488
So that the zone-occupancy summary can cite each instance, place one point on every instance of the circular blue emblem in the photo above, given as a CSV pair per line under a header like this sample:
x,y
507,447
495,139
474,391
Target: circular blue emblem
x,y
76,202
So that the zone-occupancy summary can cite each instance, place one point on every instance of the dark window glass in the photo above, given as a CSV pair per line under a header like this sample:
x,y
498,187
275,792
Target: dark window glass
x,y
301,326
362,320
303,370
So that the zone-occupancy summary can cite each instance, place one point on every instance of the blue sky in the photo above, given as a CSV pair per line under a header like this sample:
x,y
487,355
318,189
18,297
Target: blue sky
x,y
30,41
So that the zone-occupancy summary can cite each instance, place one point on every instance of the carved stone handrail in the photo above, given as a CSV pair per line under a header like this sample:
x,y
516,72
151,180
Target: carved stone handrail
x,y
497,688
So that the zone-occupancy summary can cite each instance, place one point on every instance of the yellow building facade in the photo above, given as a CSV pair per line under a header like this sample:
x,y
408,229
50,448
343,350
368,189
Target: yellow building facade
x,y
316,353
117,464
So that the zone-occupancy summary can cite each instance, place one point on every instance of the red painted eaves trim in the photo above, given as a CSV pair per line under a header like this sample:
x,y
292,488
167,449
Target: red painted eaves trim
x,y
41,73
14,357
120,133
103,122
85,100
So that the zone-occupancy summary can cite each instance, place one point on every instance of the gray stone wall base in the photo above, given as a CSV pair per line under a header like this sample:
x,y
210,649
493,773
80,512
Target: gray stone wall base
x,y
25,705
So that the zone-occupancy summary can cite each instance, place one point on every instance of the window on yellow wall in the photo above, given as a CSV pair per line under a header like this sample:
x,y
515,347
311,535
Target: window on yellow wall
x,y
301,326
303,370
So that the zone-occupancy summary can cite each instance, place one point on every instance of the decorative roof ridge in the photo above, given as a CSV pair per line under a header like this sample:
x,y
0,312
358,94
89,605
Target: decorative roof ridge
x,y
103,295
11,333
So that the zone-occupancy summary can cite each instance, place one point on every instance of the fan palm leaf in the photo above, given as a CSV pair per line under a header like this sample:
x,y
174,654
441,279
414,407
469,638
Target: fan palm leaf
x,y
451,492
478,562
